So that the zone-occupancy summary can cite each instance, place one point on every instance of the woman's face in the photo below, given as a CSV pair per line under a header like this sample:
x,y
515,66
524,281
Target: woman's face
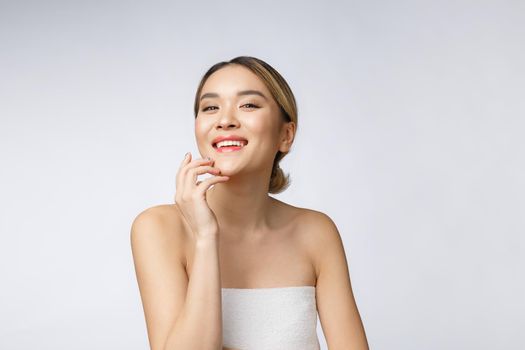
x,y
235,102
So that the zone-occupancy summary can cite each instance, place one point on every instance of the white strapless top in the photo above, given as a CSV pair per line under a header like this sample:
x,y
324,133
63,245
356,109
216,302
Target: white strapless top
x,y
270,318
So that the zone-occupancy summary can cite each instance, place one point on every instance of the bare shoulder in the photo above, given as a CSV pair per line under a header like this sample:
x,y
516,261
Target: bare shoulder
x,y
337,308
320,235
159,212
165,215
315,231
315,217
161,223
317,225
157,242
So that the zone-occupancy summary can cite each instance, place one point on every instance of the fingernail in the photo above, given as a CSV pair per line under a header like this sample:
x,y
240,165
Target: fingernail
x,y
186,155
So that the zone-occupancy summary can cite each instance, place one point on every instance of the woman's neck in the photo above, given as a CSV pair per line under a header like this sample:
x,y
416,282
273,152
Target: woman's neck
x,y
241,207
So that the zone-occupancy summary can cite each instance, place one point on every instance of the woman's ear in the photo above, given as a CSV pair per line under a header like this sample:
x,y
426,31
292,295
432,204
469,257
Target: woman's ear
x,y
287,136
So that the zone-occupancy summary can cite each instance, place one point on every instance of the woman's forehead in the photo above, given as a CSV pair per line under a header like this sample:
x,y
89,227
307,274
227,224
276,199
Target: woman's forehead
x,y
232,79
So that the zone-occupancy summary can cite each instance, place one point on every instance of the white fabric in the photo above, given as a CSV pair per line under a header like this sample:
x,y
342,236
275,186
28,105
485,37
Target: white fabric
x,y
270,318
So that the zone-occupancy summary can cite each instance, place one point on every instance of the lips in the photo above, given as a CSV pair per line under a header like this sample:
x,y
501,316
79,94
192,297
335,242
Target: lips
x,y
228,149
228,137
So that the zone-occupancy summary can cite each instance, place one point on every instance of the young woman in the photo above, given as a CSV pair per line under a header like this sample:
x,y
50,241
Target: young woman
x,y
227,266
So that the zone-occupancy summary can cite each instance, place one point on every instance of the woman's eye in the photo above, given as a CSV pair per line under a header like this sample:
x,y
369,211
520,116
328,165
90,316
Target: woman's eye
x,y
250,105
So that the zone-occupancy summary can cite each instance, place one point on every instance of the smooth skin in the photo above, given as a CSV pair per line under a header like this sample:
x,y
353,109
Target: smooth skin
x,y
233,234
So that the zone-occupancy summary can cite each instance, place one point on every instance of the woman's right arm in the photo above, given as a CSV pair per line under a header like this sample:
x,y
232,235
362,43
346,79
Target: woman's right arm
x,y
181,314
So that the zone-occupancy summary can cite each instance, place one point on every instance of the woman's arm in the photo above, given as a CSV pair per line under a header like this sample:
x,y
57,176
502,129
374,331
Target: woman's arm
x,y
180,314
338,313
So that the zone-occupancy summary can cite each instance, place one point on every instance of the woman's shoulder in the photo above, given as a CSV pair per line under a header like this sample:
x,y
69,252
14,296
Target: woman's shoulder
x,y
310,223
161,212
164,221
317,232
305,216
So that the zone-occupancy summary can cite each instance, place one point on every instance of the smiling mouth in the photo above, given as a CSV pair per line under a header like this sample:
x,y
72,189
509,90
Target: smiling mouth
x,y
229,146
225,144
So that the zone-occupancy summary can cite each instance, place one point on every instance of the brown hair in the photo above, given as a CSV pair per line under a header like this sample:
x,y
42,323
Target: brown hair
x,y
281,93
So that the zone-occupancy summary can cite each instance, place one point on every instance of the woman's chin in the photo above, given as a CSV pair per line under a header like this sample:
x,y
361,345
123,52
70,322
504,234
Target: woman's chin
x,y
228,172
227,167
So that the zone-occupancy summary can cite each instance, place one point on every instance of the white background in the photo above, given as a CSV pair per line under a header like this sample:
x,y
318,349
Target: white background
x,y
410,137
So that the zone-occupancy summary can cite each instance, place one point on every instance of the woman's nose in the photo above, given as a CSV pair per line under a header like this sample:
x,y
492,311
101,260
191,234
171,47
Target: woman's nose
x,y
228,119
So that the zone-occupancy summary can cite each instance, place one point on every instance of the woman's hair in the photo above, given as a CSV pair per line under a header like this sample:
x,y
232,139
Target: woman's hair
x,y
281,93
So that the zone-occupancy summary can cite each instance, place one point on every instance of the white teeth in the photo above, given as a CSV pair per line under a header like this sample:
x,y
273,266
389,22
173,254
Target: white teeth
x,y
230,143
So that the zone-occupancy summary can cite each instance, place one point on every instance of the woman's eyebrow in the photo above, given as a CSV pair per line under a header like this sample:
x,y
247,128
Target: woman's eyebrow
x,y
240,93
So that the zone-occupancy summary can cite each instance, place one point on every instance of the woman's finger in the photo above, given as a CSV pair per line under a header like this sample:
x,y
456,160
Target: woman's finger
x,y
193,174
179,177
185,161
203,186
194,169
